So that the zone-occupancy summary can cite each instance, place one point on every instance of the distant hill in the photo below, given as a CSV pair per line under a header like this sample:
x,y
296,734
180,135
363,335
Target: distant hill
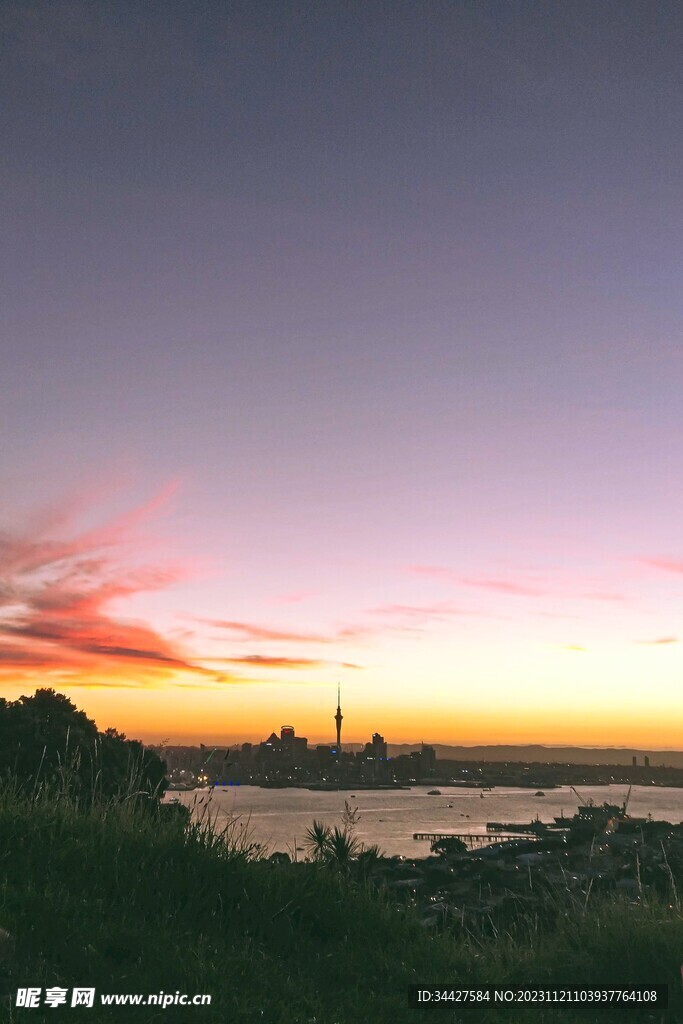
x,y
543,754
523,753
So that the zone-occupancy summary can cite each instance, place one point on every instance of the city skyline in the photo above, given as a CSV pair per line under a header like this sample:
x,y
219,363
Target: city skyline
x,y
344,345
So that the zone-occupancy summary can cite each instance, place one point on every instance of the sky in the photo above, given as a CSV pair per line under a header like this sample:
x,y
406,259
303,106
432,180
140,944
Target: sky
x,y
341,342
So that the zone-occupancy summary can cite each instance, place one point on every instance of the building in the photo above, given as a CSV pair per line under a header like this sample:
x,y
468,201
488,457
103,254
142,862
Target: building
x,y
285,749
427,759
287,742
376,748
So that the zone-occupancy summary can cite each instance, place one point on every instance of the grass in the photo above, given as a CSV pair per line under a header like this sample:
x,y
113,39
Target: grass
x,y
121,897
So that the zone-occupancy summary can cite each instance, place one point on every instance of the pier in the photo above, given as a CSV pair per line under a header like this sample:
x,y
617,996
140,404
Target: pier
x,y
471,839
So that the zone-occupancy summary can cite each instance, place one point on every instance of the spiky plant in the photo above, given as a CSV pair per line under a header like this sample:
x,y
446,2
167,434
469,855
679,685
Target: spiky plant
x,y
343,848
317,841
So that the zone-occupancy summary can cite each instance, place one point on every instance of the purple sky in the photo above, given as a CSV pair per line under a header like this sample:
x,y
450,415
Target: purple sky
x,y
392,290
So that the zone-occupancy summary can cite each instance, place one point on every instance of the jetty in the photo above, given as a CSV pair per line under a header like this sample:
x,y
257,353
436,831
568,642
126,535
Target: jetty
x,y
471,839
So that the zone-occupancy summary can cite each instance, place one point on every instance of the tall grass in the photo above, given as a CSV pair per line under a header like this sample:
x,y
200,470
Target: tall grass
x,y
127,896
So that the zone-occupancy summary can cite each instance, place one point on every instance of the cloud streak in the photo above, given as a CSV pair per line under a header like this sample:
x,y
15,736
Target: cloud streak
x,y
254,632
56,595
659,641
522,585
416,614
667,564
267,661
503,586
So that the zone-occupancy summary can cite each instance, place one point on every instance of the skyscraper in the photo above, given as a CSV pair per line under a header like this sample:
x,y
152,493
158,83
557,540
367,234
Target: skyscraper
x,y
287,738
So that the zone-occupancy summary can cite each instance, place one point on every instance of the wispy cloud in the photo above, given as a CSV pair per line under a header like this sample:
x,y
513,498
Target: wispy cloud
x,y
503,586
659,641
272,661
553,585
416,614
519,588
56,594
255,632
667,564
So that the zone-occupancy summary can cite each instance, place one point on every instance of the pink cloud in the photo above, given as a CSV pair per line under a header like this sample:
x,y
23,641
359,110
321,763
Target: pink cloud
x,y
56,594
251,631
280,661
667,564
439,611
266,661
503,586
30,552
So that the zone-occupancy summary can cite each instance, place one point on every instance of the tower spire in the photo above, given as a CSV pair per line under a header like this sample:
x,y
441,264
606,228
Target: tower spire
x,y
338,718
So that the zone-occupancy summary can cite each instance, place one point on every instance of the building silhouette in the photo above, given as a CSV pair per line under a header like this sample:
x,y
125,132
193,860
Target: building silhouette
x,y
376,748
287,742
338,719
427,759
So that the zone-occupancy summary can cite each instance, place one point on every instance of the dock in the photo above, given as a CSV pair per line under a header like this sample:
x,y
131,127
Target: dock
x,y
471,839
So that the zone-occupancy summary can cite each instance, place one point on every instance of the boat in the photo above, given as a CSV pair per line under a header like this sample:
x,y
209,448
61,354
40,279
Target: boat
x,y
534,827
592,817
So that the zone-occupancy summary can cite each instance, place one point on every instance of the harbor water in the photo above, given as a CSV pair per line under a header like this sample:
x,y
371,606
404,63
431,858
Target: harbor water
x,y
278,818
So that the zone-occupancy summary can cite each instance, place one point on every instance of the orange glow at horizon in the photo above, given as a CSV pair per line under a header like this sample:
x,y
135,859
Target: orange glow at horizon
x,y
196,715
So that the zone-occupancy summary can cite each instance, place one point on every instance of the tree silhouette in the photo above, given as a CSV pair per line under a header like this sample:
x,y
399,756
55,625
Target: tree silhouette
x,y
45,739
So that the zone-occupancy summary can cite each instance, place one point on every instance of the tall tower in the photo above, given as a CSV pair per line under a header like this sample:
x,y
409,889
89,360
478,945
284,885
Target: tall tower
x,y
338,718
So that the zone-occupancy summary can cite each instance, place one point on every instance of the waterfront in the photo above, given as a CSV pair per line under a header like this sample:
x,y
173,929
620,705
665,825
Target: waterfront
x,y
278,818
